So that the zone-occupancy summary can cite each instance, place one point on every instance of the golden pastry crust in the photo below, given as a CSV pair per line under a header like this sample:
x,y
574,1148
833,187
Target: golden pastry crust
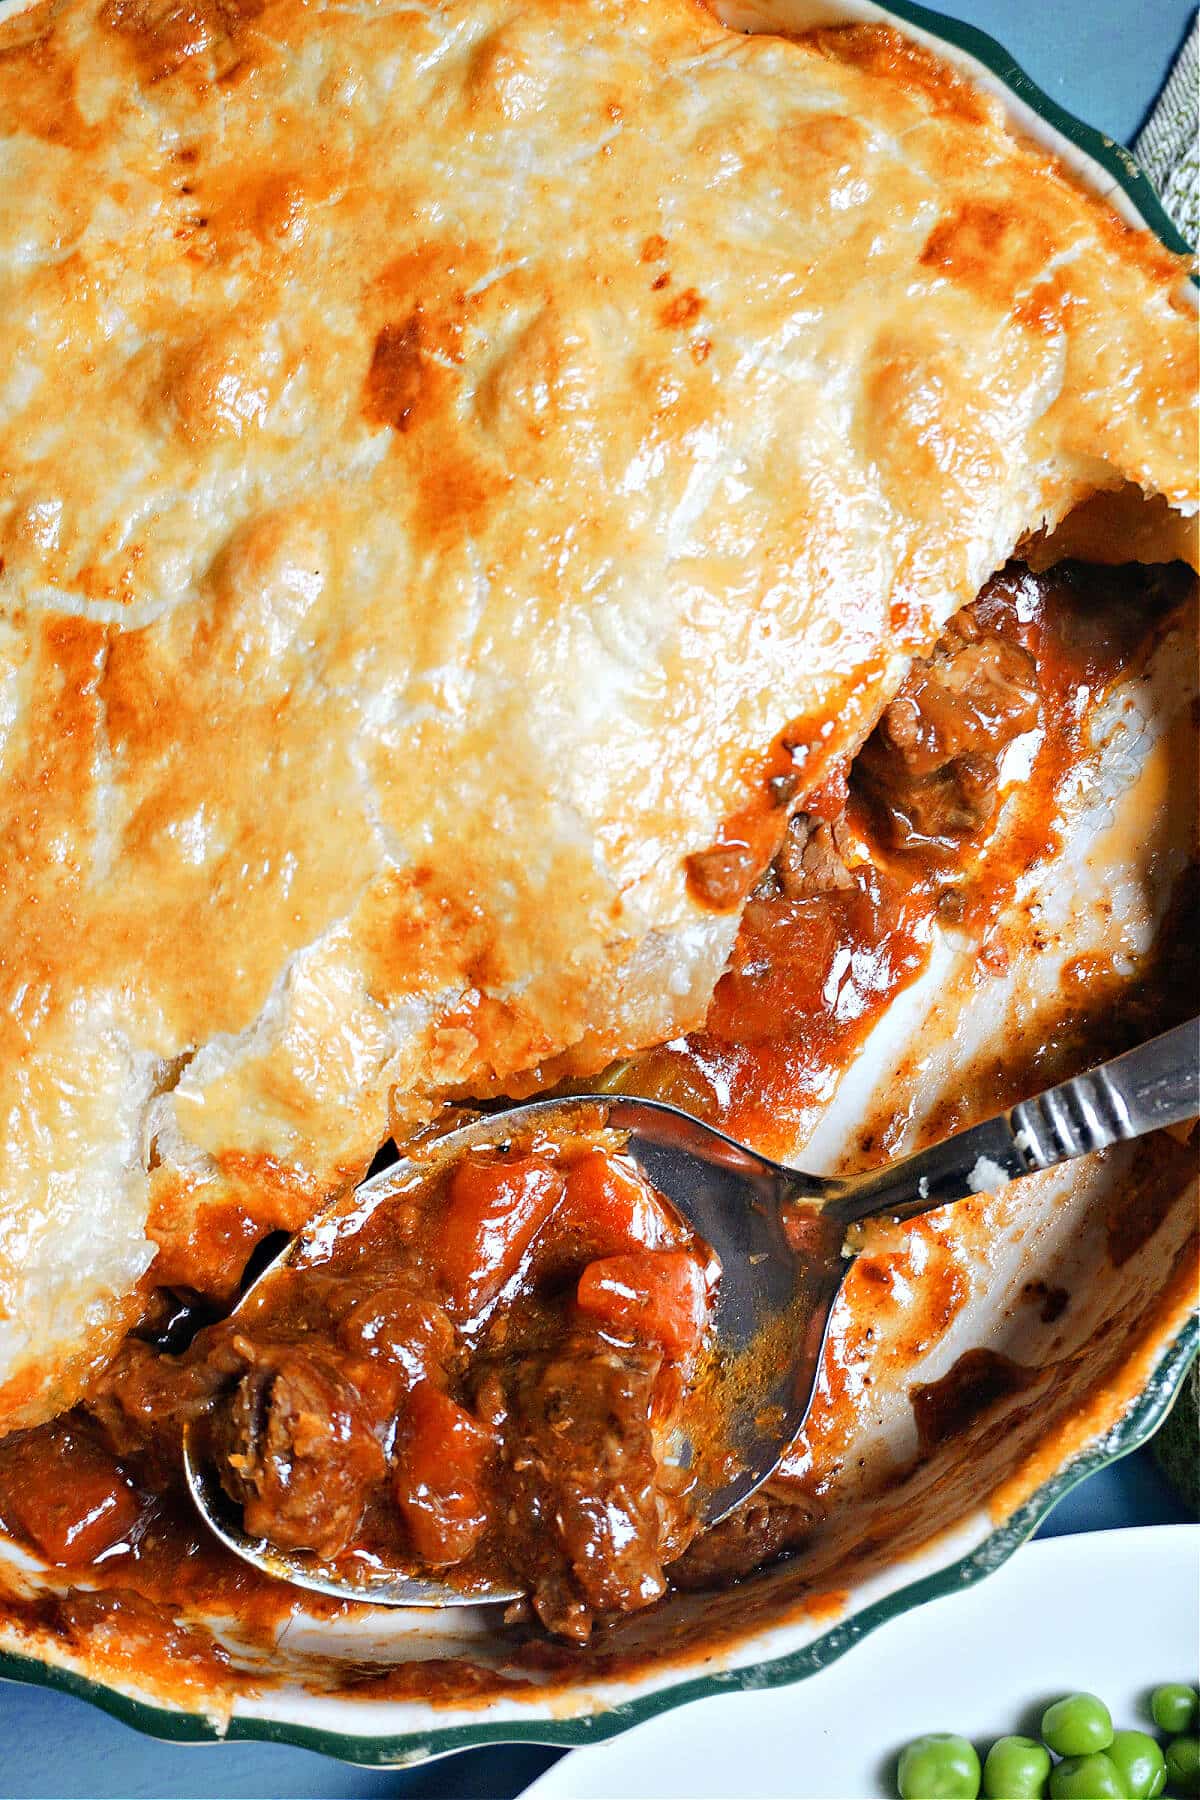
x,y
441,448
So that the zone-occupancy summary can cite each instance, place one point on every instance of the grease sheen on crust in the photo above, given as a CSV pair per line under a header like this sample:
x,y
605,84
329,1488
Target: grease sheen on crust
x,y
441,448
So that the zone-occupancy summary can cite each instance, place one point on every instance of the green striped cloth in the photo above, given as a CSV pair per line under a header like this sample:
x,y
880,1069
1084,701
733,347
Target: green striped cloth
x,y
1169,146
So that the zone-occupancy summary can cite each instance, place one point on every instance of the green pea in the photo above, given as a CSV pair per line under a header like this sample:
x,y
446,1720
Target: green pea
x,y
938,1766
1183,1764
1139,1762
1077,1725
1091,1777
1173,1707
1016,1768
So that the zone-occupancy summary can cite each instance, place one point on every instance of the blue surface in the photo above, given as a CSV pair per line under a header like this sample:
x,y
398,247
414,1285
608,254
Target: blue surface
x,y
1105,61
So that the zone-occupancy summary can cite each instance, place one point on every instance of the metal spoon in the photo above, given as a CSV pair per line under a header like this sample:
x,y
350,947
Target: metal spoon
x,y
780,1237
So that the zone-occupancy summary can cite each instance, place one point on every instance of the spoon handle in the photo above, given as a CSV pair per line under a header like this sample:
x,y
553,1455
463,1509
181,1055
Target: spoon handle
x,y
1157,1084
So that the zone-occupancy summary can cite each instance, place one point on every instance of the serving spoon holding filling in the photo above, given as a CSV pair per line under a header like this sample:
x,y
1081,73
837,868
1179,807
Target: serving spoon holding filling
x,y
779,1239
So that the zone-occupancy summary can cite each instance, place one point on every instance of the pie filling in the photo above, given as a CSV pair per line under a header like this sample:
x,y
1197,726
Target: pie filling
x,y
483,1374
480,1377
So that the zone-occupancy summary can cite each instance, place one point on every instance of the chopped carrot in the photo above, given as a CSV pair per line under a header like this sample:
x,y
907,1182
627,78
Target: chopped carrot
x,y
659,1297
495,1207
440,1481
612,1209
73,1513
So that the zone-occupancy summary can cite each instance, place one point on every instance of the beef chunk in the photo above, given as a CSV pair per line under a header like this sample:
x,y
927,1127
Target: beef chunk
x,y
759,1530
585,1509
929,768
295,1450
143,1400
810,861
398,1325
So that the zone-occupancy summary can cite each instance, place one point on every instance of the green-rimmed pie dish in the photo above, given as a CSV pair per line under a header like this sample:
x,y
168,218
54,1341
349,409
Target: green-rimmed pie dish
x,y
977,1368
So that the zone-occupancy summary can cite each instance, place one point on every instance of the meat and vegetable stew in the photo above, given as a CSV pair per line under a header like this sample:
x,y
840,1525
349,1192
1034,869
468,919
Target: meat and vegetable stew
x,y
481,1376
479,1373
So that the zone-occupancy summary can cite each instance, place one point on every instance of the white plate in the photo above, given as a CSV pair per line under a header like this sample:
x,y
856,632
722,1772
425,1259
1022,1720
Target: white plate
x,y
1113,1612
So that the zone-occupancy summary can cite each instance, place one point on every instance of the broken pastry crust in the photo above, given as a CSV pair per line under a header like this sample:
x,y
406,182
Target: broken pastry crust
x,y
443,450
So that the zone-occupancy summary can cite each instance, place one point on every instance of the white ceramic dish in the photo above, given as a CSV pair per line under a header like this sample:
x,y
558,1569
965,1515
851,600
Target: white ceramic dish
x,y
1106,1369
